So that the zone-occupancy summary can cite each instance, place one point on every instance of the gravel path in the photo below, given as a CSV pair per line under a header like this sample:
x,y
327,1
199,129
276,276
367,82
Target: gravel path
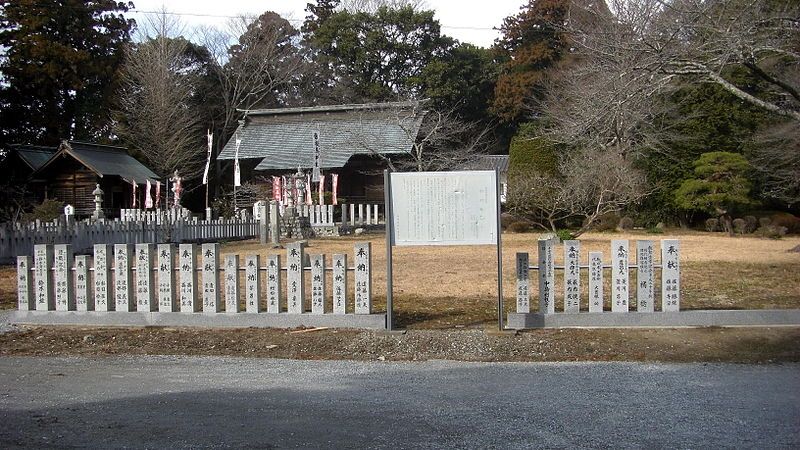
x,y
217,402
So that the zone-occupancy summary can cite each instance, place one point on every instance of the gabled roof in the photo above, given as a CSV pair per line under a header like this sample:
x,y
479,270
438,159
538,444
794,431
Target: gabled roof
x,y
282,138
33,155
488,162
104,160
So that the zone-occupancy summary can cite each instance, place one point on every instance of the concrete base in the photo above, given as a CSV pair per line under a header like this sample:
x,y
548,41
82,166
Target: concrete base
x,y
212,320
704,318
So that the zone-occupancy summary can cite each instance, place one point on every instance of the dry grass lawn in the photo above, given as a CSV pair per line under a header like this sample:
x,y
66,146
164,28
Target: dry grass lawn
x,y
446,287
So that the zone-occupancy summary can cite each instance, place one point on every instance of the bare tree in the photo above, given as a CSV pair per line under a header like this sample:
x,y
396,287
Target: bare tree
x,y
254,57
370,6
777,159
156,113
591,183
438,140
699,40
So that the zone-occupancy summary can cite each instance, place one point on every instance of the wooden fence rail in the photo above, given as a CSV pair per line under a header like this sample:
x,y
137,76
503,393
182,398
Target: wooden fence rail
x,y
20,240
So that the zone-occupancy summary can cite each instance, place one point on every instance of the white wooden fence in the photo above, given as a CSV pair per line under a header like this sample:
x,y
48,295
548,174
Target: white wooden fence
x,y
170,279
18,239
594,272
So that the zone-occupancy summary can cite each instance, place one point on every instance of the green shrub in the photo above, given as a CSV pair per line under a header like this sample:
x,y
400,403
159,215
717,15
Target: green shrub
x,y
771,232
655,230
565,235
528,154
764,222
752,223
787,220
626,223
519,227
46,211
606,222
740,226
712,224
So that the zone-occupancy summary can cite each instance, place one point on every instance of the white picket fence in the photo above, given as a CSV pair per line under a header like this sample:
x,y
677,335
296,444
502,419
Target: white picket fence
x,y
594,272
351,214
161,279
19,239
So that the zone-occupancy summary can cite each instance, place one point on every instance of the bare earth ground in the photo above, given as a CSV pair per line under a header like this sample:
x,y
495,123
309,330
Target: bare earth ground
x,y
446,297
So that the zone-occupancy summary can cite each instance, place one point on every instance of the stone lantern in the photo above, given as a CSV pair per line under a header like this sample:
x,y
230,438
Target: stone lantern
x,y
98,203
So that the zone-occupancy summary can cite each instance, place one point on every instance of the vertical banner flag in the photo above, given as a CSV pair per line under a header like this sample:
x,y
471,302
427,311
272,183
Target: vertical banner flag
x,y
315,172
158,193
148,199
322,189
237,176
285,191
334,188
133,195
308,190
276,189
208,158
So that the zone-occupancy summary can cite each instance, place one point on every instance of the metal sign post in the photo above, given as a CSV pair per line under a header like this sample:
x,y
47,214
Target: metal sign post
x,y
442,208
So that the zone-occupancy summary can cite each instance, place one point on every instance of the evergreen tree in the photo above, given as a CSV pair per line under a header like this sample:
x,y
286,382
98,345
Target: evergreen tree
x,y
59,72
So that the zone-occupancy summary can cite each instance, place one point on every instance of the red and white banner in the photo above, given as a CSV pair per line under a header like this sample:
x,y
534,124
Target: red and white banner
x,y
334,188
308,190
285,190
133,195
148,199
158,193
321,189
276,189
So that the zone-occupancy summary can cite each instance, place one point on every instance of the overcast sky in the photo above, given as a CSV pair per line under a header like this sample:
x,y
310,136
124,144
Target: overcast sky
x,y
466,20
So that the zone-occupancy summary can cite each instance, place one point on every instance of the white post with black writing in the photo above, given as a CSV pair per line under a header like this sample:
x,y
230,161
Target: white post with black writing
x,y
123,282
670,275
547,299
295,289
25,298
232,284
645,294
619,275
102,277
596,282
144,279
62,275
363,277
273,284
339,284
211,300
252,284
523,283
572,276
43,261
166,279
188,278
318,284
84,301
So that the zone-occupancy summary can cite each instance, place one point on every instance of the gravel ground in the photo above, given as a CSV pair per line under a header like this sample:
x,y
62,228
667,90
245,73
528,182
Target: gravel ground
x,y
213,402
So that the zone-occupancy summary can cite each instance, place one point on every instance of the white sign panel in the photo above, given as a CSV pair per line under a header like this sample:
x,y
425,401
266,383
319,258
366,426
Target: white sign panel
x,y
444,208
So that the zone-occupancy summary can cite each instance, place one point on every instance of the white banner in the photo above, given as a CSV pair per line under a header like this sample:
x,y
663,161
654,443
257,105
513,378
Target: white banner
x,y
208,158
237,176
308,191
321,190
315,172
148,200
334,188
133,199
158,193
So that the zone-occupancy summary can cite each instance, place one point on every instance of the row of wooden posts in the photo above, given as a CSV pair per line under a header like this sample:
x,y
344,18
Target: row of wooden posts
x,y
54,279
620,278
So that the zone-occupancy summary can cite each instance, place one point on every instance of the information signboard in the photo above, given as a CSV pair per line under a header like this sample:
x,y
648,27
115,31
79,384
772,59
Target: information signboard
x,y
444,208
